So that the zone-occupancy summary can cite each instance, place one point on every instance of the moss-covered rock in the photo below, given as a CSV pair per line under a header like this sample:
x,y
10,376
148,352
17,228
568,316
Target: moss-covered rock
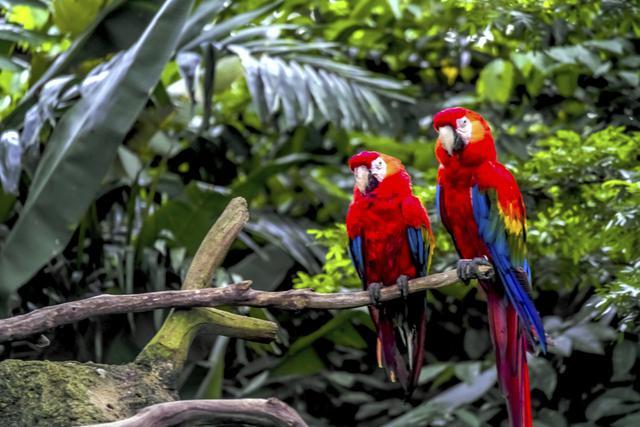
x,y
41,393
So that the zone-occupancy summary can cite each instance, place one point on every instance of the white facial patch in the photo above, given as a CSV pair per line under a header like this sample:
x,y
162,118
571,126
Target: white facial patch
x,y
446,138
379,169
463,128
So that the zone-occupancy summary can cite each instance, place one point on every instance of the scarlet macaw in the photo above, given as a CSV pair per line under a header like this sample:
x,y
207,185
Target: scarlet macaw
x,y
479,203
390,241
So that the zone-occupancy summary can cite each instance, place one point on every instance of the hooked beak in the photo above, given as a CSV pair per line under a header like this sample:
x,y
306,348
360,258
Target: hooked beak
x,y
365,181
451,140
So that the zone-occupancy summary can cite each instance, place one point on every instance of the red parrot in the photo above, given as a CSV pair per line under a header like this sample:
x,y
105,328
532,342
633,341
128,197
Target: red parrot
x,y
480,205
390,242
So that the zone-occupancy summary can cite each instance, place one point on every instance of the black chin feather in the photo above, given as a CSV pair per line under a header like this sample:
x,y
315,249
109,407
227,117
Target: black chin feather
x,y
372,184
458,142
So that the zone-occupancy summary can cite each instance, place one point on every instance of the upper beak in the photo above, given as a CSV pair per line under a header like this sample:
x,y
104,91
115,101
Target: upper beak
x,y
450,139
365,180
361,174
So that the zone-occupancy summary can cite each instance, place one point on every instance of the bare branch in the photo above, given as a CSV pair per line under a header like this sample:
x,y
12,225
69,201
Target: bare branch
x,y
246,411
216,244
236,294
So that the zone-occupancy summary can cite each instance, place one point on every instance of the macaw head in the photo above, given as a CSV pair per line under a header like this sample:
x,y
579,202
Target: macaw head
x,y
463,134
370,169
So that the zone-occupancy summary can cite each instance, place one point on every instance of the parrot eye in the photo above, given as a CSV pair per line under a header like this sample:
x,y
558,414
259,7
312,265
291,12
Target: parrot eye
x,y
462,123
379,169
464,129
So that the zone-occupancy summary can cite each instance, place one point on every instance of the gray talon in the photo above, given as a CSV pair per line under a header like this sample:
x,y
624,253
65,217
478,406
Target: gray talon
x,y
374,293
469,269
403,284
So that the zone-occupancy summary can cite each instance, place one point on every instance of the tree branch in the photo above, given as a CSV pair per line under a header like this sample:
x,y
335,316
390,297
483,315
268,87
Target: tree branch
x,y
237,294
168,349
254,411
216,244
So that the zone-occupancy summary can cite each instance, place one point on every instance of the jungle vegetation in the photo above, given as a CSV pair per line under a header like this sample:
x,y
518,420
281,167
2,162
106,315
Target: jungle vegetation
x,y
122,139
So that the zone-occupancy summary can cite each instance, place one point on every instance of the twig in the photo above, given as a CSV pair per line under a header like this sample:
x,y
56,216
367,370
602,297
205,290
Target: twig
x,y
254,411
237,294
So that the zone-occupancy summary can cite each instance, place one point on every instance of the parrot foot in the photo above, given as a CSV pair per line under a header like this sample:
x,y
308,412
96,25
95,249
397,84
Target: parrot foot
x,y
403,284
374,293
470,269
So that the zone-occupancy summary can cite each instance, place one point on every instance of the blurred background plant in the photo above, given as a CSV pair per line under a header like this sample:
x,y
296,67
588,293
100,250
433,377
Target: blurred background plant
x,y
267,101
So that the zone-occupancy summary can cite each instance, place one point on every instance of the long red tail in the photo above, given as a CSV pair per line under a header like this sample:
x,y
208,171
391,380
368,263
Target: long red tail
x,y
510,346
402,328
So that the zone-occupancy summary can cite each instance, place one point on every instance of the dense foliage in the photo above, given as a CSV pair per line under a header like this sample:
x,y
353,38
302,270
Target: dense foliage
x,y
117,154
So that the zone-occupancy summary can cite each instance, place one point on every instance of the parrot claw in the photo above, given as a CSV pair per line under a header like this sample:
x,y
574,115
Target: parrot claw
x,y
374,293
403,284
469,269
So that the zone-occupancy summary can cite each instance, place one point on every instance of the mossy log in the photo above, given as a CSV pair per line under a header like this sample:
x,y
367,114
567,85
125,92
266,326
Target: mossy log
x,y
42,393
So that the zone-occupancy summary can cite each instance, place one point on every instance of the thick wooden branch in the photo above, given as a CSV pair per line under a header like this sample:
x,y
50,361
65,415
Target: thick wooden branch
x,y
238,411
237,294
169,348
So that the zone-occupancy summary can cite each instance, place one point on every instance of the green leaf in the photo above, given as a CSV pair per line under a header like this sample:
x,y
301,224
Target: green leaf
x,y
347,336
589,337
632,420
548,418
266,267
224,28
476,341
316,88
211,385
616,46
631,78
624,357
496,81
228,70
395,8
291,236
6,205
615,401
82,148
467,371
206,11
566,80
59,66
447,401
17,34
305,362
73,16
337,322
431,372
543,376
185,219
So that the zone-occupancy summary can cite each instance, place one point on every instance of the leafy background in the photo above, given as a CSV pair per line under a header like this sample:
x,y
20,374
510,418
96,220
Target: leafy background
x,y
120,145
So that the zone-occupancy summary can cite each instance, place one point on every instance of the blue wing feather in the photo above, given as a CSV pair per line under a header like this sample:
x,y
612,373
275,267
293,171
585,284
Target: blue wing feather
x,y
494,235
418,250
356,251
